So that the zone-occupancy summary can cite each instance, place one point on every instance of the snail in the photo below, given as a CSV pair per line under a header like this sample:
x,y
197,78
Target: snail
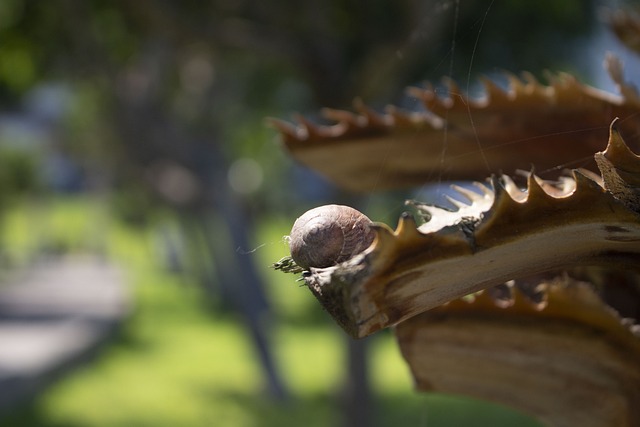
x,y
328,235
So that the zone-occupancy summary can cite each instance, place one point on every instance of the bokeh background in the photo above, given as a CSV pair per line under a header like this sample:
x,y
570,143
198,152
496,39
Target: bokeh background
x,y
134,132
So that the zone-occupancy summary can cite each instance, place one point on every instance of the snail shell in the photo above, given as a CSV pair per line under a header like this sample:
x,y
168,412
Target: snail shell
x,y
328,235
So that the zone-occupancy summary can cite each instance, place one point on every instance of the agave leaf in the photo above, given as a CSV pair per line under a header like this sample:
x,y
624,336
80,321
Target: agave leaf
x,y
457,137
547,359
512,234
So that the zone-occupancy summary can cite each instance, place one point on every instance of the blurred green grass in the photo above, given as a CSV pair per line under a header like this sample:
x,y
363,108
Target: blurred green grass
x,y
177,362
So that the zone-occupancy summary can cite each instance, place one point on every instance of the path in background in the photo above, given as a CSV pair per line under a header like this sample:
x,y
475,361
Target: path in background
x,y
53,317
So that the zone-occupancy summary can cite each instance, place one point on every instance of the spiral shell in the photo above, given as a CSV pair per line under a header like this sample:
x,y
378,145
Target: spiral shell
x,y
328,235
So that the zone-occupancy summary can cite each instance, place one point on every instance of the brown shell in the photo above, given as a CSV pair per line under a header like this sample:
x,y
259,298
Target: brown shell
x,y
328,235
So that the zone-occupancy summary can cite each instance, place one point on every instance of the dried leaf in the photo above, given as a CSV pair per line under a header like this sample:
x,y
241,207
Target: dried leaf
x,y
559,124
545,360
505,234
